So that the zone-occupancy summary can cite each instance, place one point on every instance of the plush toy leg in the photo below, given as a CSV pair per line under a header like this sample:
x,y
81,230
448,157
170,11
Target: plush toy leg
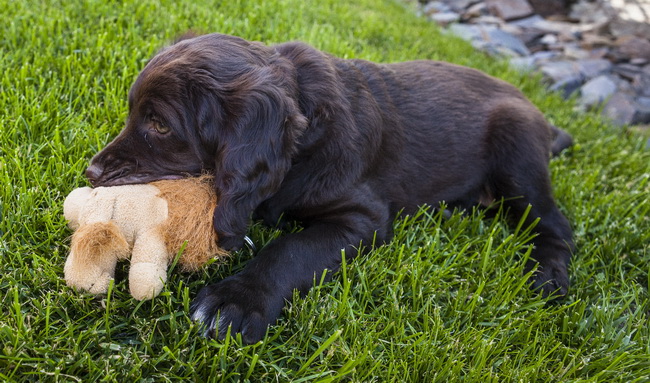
x,y
94,252
149,261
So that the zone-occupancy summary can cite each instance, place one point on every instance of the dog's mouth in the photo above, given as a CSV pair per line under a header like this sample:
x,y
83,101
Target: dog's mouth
x,y
122,177
139,179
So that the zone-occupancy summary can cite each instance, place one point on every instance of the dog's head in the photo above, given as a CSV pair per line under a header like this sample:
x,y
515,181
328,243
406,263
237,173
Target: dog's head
x,y
216,104
212,103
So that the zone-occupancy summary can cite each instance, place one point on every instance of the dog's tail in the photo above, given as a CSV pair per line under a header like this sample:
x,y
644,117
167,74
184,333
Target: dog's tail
x,y
561,140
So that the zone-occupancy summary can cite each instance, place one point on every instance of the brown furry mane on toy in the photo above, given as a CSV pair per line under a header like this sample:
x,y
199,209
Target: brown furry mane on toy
x,y
189,203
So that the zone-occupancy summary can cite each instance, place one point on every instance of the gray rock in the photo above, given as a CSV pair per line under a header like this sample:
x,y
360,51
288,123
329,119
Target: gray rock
x,y
465,31
460,5
495,50
642,113
523,64
527,22
596,91
548,39
591,12
540,24
444,18
487,20
509,9
622,27
591,68
475,10
576,52
620,109
559,70
628,71
506,40
568,85
642,86
643,102
545,56
634,47
435,7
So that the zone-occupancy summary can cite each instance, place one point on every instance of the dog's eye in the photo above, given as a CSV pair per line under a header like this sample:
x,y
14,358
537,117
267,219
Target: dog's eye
x,y
160,128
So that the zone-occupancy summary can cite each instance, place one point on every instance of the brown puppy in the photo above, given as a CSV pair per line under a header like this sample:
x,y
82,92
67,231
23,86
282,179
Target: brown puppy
x,y
339,145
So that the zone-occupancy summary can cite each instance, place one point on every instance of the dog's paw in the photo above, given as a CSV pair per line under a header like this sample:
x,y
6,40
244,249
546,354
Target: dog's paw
x,y
238,304
551,279
230,243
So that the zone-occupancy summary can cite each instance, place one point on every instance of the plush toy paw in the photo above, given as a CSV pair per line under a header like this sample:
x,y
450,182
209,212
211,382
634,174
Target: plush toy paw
x,y
94,280
146,280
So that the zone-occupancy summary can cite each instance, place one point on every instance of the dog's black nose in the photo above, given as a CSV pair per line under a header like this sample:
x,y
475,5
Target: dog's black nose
x,y
93,172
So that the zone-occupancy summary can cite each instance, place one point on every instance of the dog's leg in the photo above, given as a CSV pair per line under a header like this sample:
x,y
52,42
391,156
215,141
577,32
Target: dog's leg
x,y
553,243
253,299
521,177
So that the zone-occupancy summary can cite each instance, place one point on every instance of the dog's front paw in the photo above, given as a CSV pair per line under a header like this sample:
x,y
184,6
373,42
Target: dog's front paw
x,y
552,279
231,242
239,303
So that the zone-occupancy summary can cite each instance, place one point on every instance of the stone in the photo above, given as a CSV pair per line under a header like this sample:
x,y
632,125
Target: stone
x,y
559,70
591,68
598,53
596,91
509,9
633,47
444,18
545,56
487,20
575,52
642,113
620,109
475,10
465,31
549,39
591,40
642,84
591,12
527,22
435,7
523,64
506,40
628,71
530,37
643,102
568,85
621,27
460,5
549,8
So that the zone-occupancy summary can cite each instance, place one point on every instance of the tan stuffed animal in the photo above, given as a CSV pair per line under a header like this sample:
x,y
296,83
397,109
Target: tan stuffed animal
x,y
148,223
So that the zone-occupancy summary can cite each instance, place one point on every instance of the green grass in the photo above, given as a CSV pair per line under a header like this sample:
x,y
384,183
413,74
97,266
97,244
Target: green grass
x,y
445,301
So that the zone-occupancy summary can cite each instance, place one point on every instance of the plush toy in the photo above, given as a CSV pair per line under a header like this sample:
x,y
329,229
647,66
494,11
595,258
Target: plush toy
x,y
148,223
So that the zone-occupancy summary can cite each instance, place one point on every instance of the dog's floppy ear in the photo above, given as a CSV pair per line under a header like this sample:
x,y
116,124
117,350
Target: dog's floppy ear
x,y
186,36
262,124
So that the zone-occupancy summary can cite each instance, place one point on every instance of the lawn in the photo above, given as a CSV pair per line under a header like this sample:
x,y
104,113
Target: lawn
x,y
445,301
